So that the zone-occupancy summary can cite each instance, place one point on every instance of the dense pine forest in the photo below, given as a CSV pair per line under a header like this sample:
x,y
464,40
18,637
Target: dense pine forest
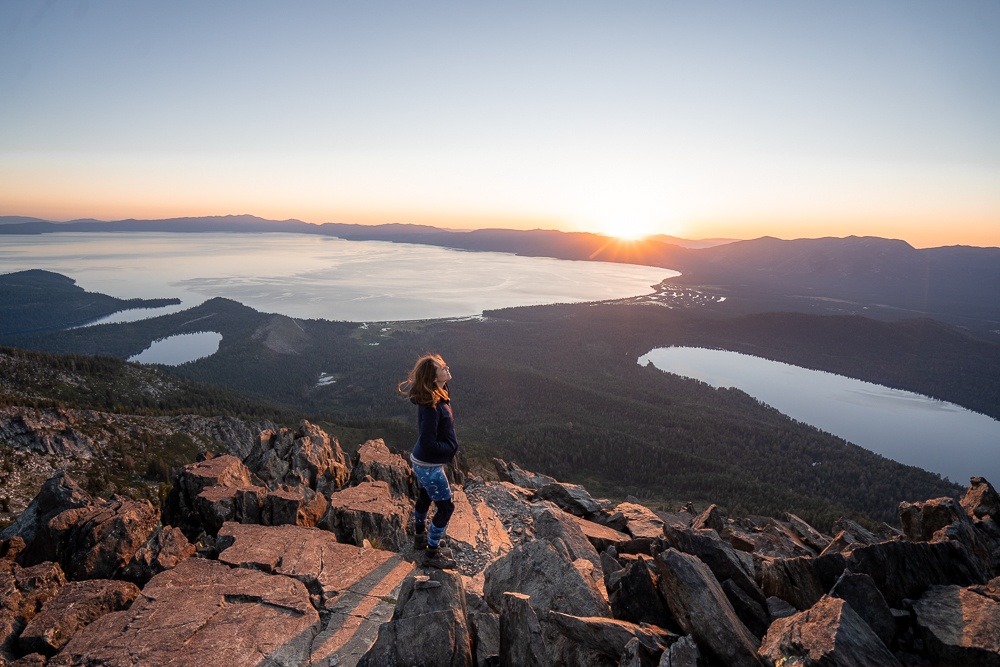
x,y
558,389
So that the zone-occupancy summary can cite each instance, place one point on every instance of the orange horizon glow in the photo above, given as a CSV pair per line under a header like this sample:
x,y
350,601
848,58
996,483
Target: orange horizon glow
x,y
980,231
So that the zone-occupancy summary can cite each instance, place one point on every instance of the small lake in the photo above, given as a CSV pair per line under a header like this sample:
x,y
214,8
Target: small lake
x,y
910,428
318,277
180,349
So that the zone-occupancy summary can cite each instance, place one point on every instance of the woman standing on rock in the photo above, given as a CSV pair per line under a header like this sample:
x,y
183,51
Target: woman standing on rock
x,y
427,387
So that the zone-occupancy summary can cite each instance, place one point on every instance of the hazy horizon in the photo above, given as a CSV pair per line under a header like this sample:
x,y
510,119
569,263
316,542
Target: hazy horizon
x,y
697,120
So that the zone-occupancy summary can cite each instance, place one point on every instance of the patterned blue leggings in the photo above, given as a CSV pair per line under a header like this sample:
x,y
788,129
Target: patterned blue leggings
x,y
433,487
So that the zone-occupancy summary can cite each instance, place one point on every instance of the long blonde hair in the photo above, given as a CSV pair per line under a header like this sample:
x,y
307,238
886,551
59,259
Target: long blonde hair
x,y
420,386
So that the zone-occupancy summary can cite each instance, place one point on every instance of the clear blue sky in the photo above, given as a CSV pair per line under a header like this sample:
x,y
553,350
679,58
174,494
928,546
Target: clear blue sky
x,y
700,119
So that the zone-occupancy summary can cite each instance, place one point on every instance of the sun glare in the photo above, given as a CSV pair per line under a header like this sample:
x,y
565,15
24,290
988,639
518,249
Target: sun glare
x,y
626,229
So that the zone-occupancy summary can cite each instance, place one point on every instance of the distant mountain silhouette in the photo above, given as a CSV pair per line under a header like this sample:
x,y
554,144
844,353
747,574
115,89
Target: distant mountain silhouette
x,y
875,276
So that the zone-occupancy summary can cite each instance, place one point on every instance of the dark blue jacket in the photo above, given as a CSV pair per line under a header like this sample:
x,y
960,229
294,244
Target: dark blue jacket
x,y
436,442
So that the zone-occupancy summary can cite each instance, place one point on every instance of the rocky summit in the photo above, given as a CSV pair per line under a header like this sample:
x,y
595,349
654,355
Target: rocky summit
x,y
297,554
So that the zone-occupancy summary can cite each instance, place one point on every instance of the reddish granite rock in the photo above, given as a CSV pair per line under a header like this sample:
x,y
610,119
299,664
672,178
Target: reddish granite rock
x,y
76,605
368,511
711,519
301,507
572,498
203,613
925,521
353,586
306,456
24,591
829,633
961,626
981,500
58,494
375,463
208,493
98,542
640,521
164,549
599,535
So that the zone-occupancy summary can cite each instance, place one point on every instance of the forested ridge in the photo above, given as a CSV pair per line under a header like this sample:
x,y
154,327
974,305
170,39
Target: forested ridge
x,y
38,300
558,389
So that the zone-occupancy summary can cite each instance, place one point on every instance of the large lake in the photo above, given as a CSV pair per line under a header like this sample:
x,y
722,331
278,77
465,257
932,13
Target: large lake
x,y
906,427
319,277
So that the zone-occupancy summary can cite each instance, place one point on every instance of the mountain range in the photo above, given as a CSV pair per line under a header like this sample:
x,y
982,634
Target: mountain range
x,y
871,276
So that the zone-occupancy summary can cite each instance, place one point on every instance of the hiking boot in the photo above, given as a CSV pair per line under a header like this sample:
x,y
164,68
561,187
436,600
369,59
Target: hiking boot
x,y
434,558
420,543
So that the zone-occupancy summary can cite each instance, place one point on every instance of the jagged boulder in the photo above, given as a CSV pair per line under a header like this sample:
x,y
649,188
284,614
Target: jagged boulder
x,y
98,541
512,474
682,653
710,519
572,498
374,462
700,606
961,626
76,605
368,511
544,571
633,591
23,592
777,540
553,524
900,570
828,634
942,519
981,500
842,543
600,536
485,629
609,637
209,493
428,626
521,641
203,613
299,507
304,456
724,561
858,532
809,536
860,591
58,494
164,549
640,521
929,521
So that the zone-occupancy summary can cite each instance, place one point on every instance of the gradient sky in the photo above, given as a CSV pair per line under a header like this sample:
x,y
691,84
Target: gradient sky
x,y
736,119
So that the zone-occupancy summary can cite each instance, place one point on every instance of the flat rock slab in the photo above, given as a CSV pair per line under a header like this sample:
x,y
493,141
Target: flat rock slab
x,y
476,534
355,585
203,613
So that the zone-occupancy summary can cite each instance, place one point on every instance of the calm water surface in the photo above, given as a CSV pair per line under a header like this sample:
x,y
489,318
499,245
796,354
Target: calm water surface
x,y
319,277
906,427
180,349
